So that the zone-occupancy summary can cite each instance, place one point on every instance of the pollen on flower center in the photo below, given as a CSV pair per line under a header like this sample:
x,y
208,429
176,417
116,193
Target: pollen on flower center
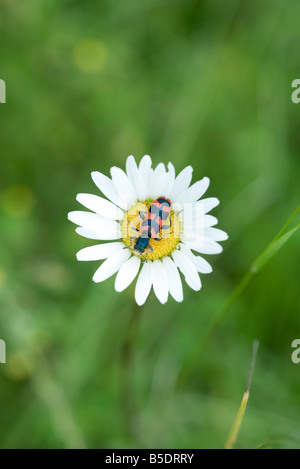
x,y
134,233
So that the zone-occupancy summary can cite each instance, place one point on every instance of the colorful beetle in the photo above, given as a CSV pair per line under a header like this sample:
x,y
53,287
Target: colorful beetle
x,y
152,223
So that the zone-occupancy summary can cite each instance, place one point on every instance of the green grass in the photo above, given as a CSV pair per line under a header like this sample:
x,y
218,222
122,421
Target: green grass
x,y
205,83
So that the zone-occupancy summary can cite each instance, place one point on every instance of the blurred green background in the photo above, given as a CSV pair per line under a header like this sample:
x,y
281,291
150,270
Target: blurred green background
x,y
206,83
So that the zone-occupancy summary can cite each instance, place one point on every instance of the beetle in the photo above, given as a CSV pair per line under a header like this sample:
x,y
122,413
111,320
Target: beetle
x,y
160,210
151,225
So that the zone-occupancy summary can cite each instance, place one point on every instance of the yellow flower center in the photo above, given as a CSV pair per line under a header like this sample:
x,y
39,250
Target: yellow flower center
x,y
135,233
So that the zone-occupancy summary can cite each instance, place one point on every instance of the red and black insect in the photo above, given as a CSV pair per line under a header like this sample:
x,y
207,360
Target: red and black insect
x,y
151,225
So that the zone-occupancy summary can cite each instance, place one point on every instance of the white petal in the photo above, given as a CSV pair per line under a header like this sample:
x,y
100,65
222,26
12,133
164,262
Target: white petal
x,y
88,219
111,265
101,206
204,246
209,220
160,282
169,181
144,283
192,220
181,183
127,273
174,280
157,181
99,251
135,178
146,171
206,205
190,236
90,234
194,192
103,227
123,186
106,186
201,264
188,269
215,234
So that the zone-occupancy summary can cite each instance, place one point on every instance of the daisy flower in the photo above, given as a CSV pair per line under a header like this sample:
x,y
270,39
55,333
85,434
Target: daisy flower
x,y
152,225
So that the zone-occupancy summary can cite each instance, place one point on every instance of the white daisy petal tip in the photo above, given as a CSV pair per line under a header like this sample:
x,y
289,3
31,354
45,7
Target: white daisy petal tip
x,y
71,216
115,217
144,284
160,281
127,273
146,159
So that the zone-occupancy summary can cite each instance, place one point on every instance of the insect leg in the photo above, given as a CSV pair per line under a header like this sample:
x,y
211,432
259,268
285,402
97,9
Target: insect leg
x,y
130,245
131,238
167,234
133,227
143,214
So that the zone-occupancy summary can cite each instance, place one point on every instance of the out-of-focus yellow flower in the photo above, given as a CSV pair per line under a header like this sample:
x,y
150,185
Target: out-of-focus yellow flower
x,y
89,55
19,367
18,200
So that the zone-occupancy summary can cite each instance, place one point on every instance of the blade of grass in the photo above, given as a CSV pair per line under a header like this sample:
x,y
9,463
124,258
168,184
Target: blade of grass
x,y
275,245
270,444
233,434
287,223
272,249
